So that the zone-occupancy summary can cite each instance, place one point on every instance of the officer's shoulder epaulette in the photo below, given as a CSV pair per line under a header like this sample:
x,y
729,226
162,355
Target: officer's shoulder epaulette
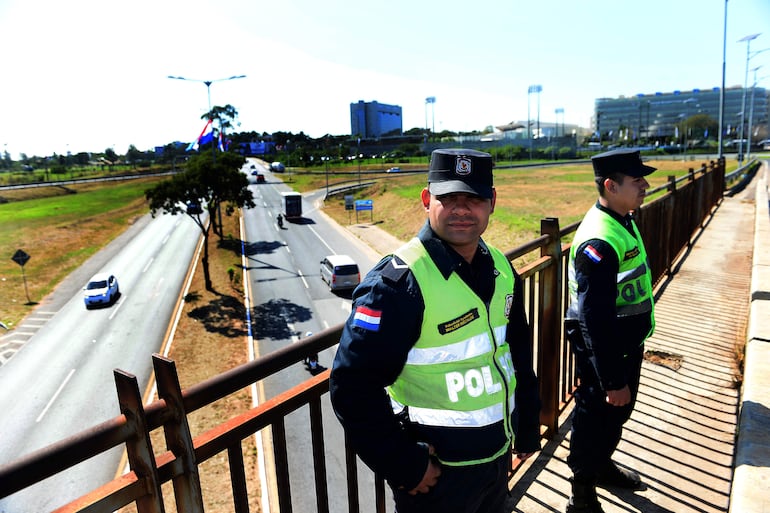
x,y
394,270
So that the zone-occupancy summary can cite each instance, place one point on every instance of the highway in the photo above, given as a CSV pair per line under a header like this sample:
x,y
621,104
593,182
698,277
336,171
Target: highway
x,y
61,381
289,299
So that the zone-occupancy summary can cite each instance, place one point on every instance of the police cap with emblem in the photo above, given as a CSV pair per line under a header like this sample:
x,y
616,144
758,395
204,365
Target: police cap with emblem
x,y
460,170
627,162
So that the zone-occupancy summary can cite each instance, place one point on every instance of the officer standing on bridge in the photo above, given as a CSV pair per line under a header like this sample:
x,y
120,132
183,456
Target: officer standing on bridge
x,y
433,375
609,317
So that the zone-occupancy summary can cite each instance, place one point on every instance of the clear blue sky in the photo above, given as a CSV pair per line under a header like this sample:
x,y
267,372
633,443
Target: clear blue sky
x,y
85,75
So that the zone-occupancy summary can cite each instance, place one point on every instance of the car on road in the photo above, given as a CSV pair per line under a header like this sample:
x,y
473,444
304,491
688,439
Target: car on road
x,y
340,272
101,289
394,170
258,176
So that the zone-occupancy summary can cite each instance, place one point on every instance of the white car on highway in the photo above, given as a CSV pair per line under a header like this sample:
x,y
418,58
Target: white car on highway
x,y
101,289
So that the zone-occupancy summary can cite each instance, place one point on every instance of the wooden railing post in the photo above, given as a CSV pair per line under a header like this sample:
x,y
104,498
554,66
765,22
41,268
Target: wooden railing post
x,y
139,448
187,486
549,327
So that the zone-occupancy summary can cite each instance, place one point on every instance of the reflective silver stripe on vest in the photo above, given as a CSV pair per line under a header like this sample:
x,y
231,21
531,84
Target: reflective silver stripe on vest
x,y
639,308
632,273
451,418
459,351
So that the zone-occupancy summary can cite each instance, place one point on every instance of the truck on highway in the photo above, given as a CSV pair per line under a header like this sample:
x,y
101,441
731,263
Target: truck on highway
x,y
277,167
292,204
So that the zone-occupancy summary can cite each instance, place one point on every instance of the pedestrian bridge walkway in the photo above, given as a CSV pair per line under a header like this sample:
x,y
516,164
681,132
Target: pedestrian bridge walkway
x,y
681,436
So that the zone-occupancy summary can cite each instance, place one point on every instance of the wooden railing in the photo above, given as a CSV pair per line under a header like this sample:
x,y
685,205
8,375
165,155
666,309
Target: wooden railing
x,y
667,223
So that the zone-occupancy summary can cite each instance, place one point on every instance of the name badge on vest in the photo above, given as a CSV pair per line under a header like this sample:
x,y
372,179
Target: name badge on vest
x,y
459,322
631,254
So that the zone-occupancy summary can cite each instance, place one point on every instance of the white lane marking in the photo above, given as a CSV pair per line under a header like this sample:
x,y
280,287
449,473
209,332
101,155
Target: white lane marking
x,y
148,265
323,241
117,306
50,403
299,272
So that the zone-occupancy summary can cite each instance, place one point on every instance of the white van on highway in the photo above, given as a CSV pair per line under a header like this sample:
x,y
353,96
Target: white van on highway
x,y
340,272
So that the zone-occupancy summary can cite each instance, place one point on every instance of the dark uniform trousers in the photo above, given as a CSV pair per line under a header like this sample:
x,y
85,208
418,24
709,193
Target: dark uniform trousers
x,y
596,425
450,495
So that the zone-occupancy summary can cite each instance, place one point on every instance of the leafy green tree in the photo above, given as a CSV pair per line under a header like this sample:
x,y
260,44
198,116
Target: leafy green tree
x,y
134,156
225,116
111,157
204,181
698,125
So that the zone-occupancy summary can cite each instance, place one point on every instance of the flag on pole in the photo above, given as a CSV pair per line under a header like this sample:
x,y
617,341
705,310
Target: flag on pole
x,y
205,137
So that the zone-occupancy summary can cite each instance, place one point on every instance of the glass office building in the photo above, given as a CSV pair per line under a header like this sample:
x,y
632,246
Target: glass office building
x,y
654,117
372,120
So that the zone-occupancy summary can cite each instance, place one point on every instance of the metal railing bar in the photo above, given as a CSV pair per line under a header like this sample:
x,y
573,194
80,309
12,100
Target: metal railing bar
x,y
319,455
238,478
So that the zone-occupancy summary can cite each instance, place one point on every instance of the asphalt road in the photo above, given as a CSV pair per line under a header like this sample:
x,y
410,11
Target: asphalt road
x,y
289,299
60,382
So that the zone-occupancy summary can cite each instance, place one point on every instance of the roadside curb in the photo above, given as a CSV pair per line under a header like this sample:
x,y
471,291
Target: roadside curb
x,y
751,479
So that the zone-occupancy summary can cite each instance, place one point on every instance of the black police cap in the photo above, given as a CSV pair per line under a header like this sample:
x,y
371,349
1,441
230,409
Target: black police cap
x,y
460,170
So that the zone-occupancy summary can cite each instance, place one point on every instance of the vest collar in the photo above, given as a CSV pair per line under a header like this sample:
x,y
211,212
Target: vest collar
x,y
623,220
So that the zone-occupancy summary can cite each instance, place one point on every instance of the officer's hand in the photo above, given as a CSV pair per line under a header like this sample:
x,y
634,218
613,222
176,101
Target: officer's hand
x,y
619,397
431,476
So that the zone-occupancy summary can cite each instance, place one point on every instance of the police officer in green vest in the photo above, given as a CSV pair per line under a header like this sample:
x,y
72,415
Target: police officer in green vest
x,y
609,317
433,378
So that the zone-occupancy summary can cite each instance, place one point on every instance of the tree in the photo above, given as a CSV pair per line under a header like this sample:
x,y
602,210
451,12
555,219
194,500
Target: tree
x,y
111,157
203,182
699,126
134,156
225,116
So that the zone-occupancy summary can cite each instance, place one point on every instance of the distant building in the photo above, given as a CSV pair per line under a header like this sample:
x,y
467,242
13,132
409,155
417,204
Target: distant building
x,y
655,116
372,120
255,149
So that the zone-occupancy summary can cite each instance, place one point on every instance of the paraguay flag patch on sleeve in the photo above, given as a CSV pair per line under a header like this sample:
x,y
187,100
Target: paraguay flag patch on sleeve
x,y
367,318
591,253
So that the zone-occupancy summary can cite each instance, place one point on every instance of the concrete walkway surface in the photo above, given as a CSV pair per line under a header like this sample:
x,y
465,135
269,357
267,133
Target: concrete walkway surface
x,y
681,437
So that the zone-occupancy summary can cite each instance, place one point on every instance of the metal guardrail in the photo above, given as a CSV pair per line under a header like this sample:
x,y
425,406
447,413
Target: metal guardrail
x,y
671,220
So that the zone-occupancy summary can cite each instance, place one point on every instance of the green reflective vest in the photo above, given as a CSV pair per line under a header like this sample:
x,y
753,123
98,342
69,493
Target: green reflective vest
x,y
459,373
634,279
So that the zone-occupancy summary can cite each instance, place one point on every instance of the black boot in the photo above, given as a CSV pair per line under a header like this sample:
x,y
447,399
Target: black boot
x,y
584,498
613,476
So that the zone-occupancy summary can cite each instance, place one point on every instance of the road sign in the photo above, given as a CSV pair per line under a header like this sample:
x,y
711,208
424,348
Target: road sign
x,y
348,202
20,257
364,205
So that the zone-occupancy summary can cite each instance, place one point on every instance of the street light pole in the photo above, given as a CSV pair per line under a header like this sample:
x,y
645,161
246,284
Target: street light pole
x,y
432,101
722,90
751,113
208,91
748,40
536,88
213,143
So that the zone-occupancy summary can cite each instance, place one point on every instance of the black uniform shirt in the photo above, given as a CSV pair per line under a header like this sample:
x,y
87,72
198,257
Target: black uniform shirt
x,y
608,338
368,360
